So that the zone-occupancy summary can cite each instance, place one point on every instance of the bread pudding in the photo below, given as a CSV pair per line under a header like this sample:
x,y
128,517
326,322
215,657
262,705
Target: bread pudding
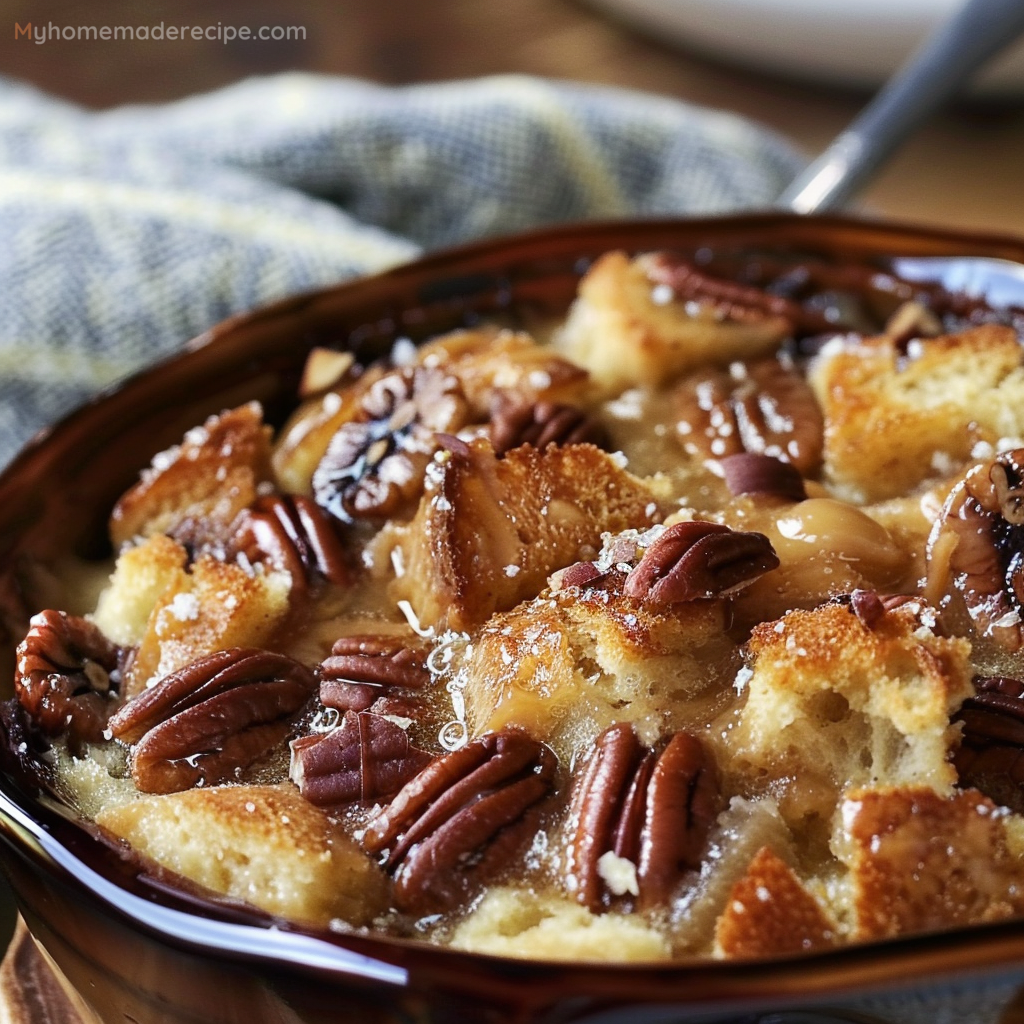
x,y
687,626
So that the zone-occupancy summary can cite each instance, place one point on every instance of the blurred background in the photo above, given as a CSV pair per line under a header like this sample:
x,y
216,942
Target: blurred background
x,y
803,67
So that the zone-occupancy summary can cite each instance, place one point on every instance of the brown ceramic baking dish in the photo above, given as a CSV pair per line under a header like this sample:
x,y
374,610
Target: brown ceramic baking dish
x,y
140,951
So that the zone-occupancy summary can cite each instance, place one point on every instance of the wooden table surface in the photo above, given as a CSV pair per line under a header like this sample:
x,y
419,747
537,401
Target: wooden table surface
x,y
962,170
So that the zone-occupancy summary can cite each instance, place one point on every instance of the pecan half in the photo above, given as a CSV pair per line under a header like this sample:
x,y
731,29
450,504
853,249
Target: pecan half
x,y
366,758
765,475
363,669
374,464
66,676
977,548
207,721
729,299
991,755
695,560
542,423
763,407
460,817
293,533
653,809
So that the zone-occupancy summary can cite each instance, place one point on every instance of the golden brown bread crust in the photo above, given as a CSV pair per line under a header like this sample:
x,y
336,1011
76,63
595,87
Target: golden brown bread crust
x,y
490,531
624,337
835,701
931,406
142,575
196,489
580,658
172,612
262,844
213,606
487,362
920,861
771,913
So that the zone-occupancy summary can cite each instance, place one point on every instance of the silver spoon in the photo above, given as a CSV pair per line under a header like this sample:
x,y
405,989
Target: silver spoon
x,y
935,72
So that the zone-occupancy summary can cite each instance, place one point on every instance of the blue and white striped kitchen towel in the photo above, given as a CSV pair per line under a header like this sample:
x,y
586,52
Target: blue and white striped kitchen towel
x,y
126,232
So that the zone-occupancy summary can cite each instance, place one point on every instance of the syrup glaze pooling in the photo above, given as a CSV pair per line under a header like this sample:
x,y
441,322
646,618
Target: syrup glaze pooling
x,y
653,640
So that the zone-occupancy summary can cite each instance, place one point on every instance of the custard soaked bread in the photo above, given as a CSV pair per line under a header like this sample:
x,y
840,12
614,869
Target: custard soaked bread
x,y
853,699
262,844
934,399
489,530
692,628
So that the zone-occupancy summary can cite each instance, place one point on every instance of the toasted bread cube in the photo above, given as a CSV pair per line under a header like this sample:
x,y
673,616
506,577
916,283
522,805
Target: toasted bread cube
x,y
931,406
619,332
261,844
196,489
584,658
489,531
142,576
771,913
486,362
832,700
920,861
522,923
521,671
215,606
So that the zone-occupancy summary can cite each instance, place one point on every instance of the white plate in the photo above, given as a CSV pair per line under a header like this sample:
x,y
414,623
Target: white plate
x,y
844,42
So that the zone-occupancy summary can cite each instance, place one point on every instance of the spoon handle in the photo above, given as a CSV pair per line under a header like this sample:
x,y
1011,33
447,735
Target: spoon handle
x,y
979,30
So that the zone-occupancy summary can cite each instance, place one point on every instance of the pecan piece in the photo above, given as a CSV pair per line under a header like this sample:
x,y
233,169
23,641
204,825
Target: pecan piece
x,y
763,475
216,716
871,608
729,299
293,533
364,669
374,464
542,423
460,817
579,574
991,755
66,676
325,368
764,407
695,560
366,758
868,607
976,547
910,321
653,809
